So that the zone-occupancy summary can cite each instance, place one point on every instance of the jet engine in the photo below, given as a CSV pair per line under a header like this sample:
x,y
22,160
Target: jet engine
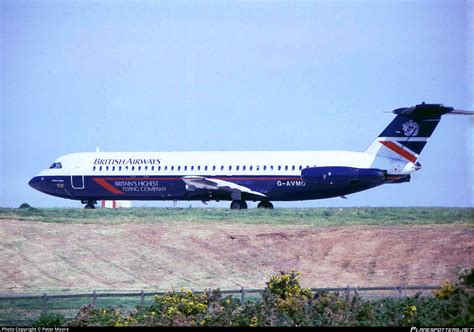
x,y
338,175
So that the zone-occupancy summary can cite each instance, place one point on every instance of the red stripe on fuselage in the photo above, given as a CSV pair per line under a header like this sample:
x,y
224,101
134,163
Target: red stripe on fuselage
x,y
108,186
395,148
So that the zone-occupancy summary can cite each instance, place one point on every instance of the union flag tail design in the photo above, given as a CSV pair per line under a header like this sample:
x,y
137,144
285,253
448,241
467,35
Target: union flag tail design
x,y
406,136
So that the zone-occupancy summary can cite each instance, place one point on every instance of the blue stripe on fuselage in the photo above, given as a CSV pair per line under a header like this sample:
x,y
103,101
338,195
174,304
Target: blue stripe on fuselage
x,y
275,187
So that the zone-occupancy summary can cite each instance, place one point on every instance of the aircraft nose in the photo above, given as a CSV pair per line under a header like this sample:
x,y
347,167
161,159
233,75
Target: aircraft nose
x,y
35,182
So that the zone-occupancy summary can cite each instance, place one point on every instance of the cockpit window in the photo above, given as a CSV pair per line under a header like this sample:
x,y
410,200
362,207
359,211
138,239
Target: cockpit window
x,y
56,165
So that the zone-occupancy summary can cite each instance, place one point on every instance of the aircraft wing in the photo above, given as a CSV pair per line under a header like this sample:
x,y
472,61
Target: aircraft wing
x,y
200,182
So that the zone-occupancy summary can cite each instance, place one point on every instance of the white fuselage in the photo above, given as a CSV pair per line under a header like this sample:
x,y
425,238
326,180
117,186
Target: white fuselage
x,y
218,163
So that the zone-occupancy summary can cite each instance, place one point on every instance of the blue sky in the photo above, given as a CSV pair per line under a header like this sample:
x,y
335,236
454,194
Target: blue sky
x,y
233,75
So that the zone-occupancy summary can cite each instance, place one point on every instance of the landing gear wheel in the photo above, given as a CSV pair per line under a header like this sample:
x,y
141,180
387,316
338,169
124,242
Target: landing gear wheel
x,y
238,205
90,204
265,205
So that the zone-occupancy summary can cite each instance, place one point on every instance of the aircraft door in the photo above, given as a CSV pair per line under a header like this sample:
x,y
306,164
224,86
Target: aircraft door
x,y
77,181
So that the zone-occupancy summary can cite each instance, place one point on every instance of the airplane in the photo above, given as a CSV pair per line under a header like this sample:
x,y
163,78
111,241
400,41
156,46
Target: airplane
x,y
240,176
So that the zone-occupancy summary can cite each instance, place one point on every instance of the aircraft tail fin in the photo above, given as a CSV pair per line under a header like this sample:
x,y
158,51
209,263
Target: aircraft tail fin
x,y
406,136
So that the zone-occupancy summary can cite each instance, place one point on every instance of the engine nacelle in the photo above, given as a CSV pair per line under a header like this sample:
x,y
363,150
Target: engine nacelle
x,y
338,175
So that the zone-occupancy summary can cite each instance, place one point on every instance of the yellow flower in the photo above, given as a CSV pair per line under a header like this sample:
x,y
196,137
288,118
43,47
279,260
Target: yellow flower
x,y
253,321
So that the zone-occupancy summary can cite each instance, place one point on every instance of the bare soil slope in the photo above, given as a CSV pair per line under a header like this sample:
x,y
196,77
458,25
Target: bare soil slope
x,y
39,256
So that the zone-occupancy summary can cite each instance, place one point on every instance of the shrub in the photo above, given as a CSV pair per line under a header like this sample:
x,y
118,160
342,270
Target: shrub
x,y
285,303
182,308
457,301
49,320
284,300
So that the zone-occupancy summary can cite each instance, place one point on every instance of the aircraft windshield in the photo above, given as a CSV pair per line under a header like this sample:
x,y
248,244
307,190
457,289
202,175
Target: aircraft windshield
x,y
56,165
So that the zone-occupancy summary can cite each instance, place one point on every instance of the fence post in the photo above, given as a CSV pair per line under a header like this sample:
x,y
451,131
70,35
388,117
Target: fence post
x,y
94,298
142,298
242,296
348,290
400,292
45,303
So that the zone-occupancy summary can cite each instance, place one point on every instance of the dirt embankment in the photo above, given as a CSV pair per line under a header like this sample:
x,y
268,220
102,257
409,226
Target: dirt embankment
x,y
40,256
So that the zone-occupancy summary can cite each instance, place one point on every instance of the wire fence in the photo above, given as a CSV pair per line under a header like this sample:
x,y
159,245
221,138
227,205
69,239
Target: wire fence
x,y
24,309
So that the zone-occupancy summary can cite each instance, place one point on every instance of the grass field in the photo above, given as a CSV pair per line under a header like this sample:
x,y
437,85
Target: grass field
x,y
316,216
45,250
78,250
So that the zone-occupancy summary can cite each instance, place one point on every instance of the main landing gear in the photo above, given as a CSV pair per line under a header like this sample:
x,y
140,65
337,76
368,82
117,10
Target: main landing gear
x,y
265,205
90,204
238,204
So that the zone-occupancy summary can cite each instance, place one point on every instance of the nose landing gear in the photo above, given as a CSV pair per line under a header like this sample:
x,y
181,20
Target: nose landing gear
x,y
90,204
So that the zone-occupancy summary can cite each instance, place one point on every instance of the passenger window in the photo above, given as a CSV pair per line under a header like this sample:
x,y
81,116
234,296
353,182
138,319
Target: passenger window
x,y
185,168
113,168
172,168
152,168
222,168
139,168
243,167
106,168
133,168
264,167
279,167
166,167
205,168
293,167
120,168
271,167
230,168
199,167
250,167
159,168
192,168
146,168
126,167
286,168
214,167
93,168
179,168
257,168
301,167
100,168
237,168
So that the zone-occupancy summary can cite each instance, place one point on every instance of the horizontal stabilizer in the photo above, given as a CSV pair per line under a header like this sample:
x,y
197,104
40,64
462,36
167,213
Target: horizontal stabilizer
x,y
461,112
423,111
